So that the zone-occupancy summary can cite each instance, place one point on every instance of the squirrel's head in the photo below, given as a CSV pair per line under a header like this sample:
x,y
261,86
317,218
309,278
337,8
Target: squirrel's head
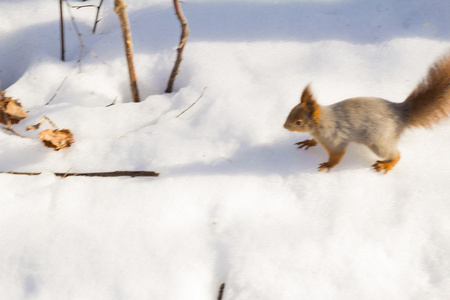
x,y
305,115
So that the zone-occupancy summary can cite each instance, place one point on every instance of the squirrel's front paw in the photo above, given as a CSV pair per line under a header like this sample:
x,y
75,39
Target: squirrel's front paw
x,y
306,144
325,165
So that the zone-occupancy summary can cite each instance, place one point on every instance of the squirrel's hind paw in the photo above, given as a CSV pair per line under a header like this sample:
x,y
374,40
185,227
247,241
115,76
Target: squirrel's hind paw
x,y
306,144
385,165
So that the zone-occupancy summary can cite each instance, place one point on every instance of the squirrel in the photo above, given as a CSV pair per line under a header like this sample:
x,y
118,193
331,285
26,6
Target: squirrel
x,y
374,122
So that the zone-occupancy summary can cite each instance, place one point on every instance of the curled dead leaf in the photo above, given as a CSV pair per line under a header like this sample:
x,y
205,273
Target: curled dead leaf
x,y
11,110
38,125
33,127
15,110
57,138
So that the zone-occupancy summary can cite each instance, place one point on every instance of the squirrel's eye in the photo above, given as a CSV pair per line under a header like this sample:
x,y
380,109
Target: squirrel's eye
x,y
298,123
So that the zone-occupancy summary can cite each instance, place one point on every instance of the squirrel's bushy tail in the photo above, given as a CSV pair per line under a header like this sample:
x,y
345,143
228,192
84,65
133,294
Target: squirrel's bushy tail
x,y
430,100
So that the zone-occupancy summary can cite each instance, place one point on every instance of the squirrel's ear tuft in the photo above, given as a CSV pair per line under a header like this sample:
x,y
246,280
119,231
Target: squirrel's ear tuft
x,y
307,94
310,105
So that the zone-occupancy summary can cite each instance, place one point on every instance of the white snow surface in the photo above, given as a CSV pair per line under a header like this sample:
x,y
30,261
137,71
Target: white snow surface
x,y
236,202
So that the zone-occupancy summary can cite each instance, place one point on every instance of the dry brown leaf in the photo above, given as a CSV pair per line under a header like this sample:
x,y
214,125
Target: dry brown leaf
x,y
11,110
36,126
33,127
57,138
14,109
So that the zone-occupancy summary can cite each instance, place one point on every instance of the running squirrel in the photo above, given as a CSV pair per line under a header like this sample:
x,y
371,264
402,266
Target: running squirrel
x,y
374,122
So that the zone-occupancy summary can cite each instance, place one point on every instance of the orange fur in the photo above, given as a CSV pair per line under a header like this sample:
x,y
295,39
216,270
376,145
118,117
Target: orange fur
x,y
385,165
311,107
333,160
430,101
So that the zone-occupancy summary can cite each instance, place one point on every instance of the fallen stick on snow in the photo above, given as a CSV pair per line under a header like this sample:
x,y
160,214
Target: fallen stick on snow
x,y
95,174
201,95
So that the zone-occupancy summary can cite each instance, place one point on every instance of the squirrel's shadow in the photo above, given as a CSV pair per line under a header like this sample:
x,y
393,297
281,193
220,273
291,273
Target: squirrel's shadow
x,y
279,158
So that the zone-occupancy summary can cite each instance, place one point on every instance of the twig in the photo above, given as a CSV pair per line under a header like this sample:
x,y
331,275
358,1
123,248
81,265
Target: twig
x,y
201,95
183,39
61,84
96,16
119,7
80,38
38,125
222,287
50,121
94,174
83,6
65,175
61,23
112,103
83,48
75,27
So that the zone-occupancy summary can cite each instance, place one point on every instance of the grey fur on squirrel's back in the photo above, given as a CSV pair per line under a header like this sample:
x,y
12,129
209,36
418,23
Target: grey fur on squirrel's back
x,y
366,120
370,120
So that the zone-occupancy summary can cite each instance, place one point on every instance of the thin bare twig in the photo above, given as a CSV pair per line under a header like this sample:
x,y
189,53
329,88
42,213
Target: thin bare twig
x,y
61,25
94,174
112,103
222,288
65,175
83,6
75,27
83,48
38,125
96,16
119,7
61,84
183,39
201,95
80,38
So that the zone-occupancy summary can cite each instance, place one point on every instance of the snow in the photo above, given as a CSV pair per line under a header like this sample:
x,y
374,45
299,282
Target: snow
x,y
236,202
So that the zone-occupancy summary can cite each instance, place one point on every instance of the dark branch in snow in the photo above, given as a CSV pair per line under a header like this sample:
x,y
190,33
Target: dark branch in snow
x,y
82,44
119,7
91,5
96,16
61,24
95,174
222,288
183,39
